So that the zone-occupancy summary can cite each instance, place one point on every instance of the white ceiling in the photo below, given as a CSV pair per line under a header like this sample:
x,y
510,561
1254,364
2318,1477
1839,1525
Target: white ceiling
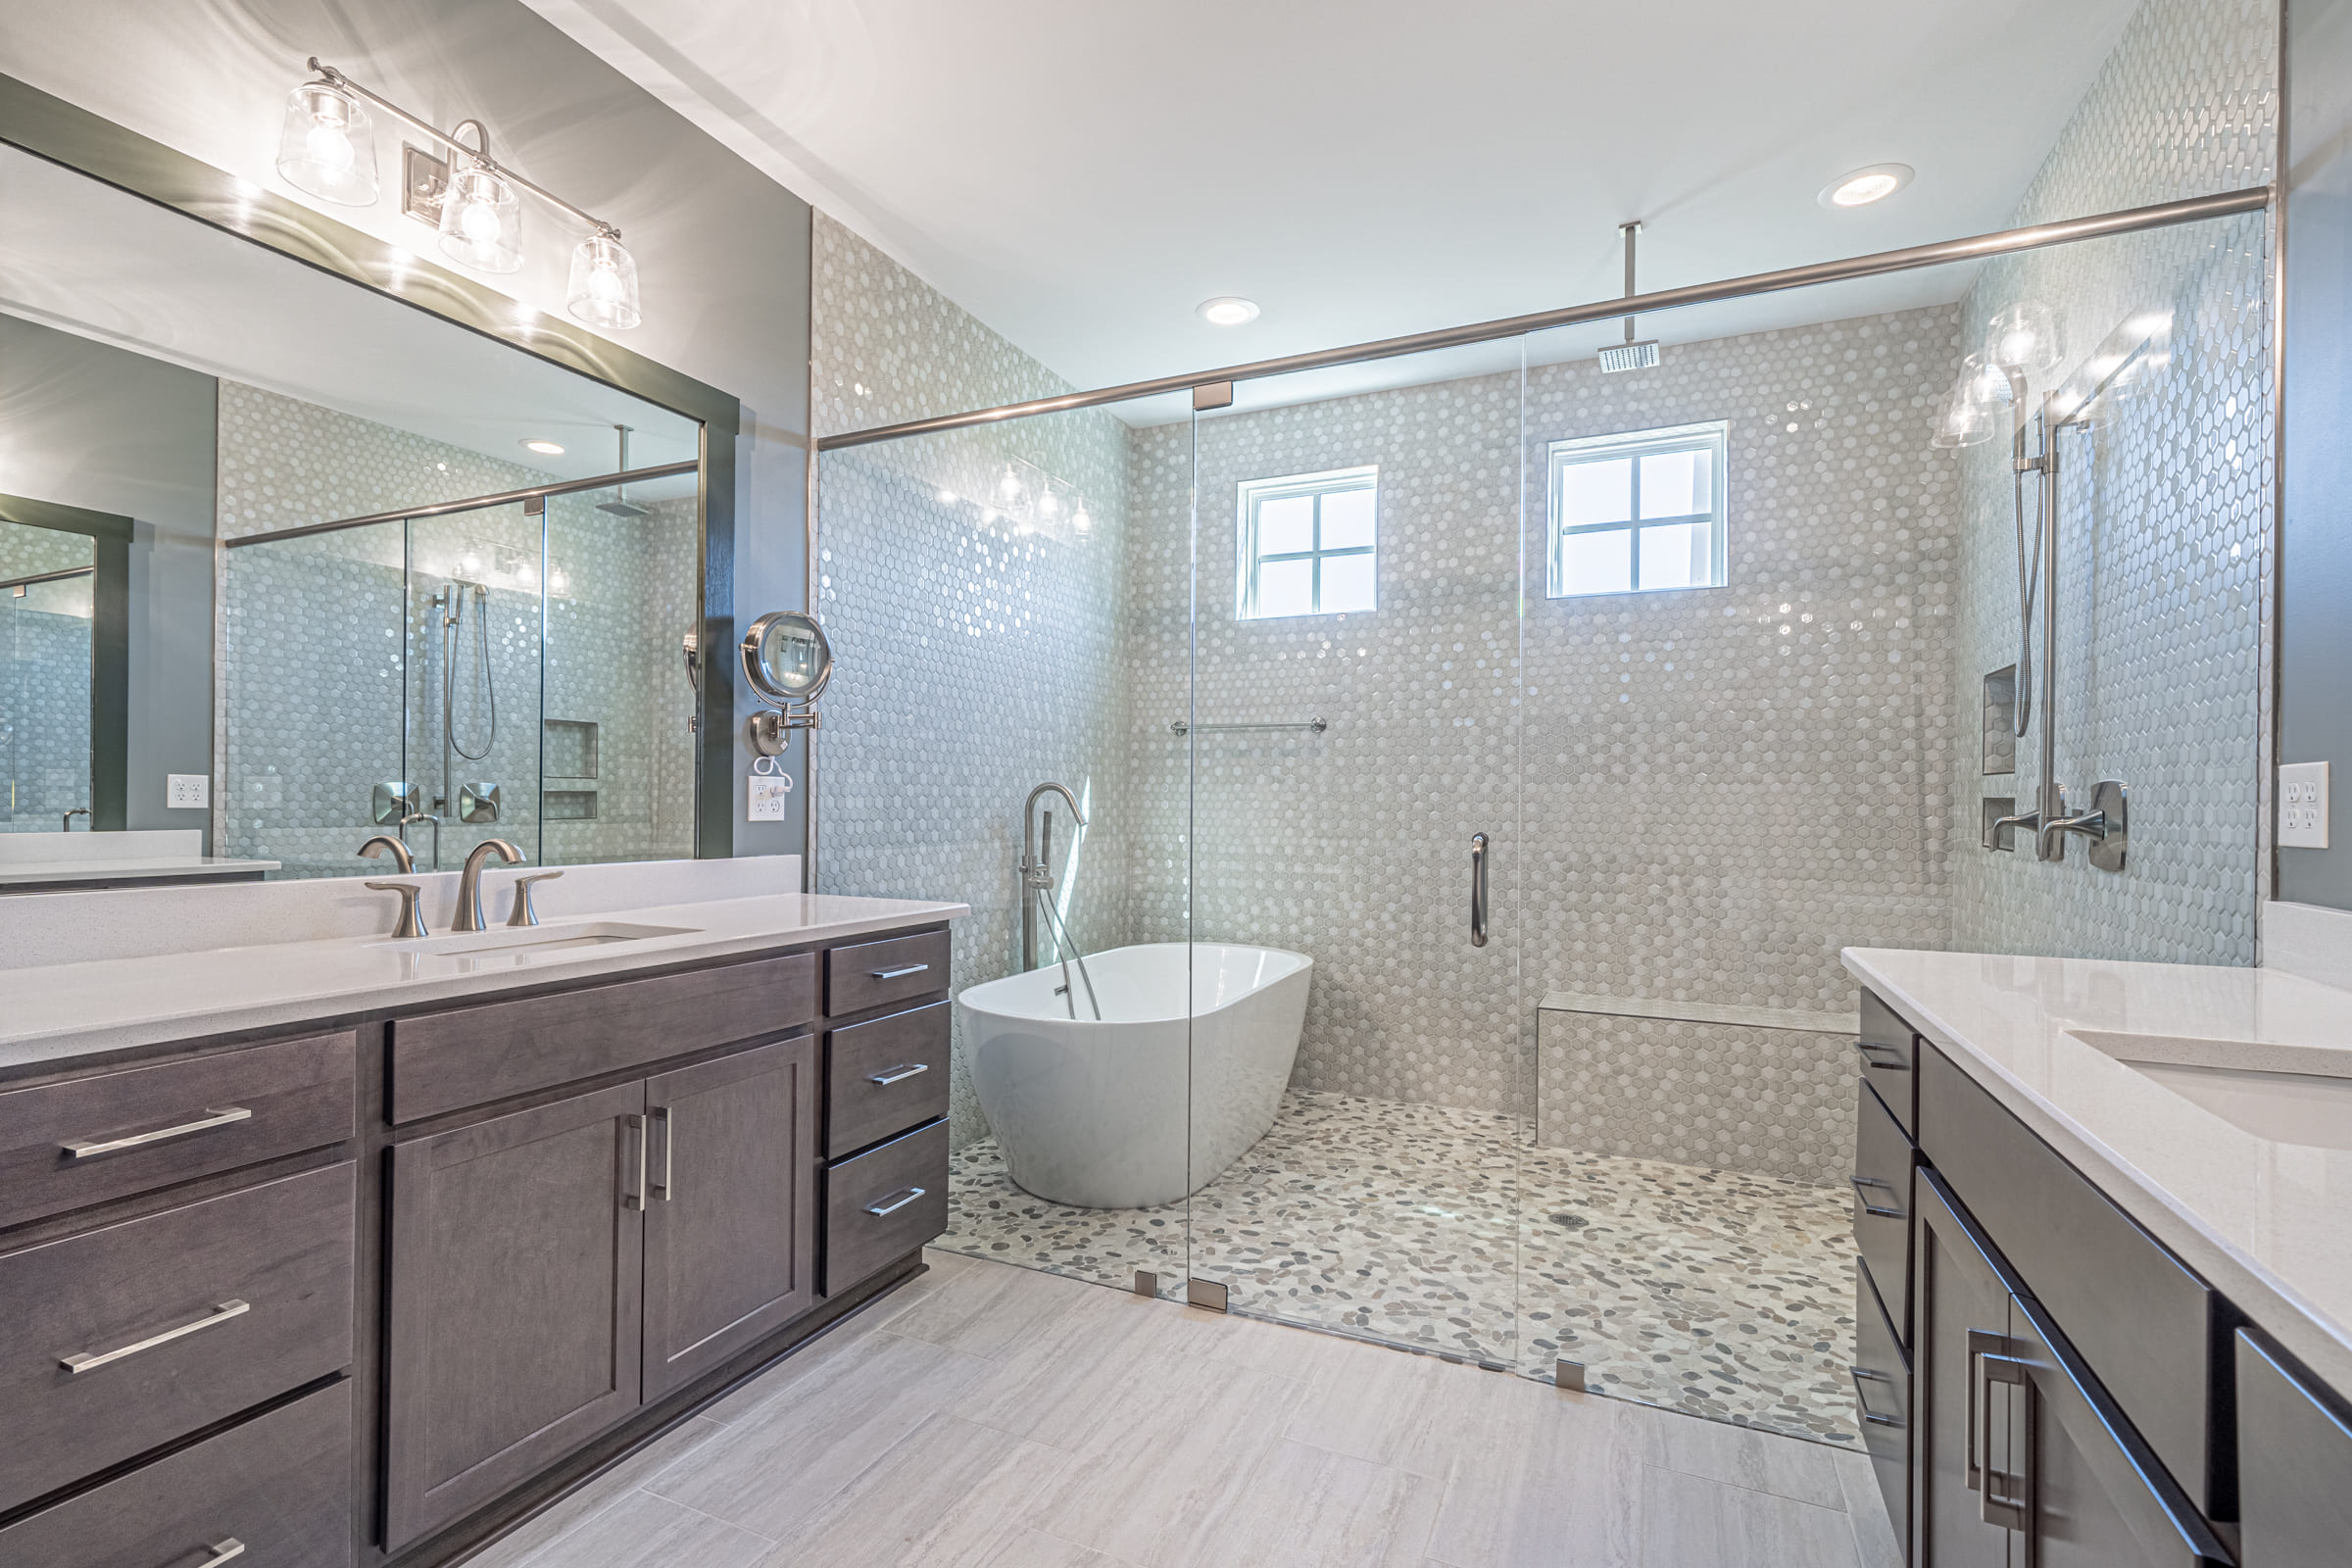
x,y
95,261
1080,175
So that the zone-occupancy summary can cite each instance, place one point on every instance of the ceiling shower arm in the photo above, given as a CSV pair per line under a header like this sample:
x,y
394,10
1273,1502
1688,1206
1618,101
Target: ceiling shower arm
x,y
479,156
1629,230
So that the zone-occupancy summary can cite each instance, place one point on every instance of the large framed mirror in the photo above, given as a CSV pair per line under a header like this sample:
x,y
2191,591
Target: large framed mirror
x,y
360,547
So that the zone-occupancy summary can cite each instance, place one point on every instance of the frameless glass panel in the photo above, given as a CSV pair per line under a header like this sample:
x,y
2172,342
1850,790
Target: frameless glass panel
x,y
1355,1053
616,736
45,650
473,691
991,648
315,666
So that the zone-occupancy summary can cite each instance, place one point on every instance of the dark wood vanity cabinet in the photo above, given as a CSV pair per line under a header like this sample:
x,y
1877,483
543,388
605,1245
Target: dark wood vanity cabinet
x,y
445,1264
2294,1461
2063,1408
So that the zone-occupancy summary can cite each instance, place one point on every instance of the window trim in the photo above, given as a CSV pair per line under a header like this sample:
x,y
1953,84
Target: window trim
x,y
1252,493
1713,435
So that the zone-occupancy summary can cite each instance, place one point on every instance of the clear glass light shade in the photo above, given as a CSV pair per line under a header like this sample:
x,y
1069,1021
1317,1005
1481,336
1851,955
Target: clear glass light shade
x,y
328,145
602,292
2025,337
1963,420
481,222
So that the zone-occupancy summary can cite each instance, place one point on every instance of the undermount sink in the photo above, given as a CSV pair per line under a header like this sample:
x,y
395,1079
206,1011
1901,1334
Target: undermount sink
x,y
510,947
2286,1093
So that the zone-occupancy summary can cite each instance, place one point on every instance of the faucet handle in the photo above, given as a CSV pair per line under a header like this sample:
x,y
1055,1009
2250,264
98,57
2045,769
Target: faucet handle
x,y
411,921
525,914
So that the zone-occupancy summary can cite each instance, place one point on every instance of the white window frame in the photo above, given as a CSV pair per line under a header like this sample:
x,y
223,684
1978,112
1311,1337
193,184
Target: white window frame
x,y
1254,493
1712,436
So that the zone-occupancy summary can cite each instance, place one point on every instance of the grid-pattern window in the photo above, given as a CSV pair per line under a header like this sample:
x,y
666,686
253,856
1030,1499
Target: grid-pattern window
x,y
1309,544
1637,513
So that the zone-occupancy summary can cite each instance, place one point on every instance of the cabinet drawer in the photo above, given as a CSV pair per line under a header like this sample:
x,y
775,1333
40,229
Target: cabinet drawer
x,y
280,1485
1882,1377
874,974
2294,1463
2143,1322
185,1318
1888,1053
473,1056
67,1145
885,1076
884,1203
1882,1183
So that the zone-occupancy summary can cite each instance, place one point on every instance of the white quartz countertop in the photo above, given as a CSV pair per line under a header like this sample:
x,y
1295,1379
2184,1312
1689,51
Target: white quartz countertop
x,y
53,1013
2265,1221
98,870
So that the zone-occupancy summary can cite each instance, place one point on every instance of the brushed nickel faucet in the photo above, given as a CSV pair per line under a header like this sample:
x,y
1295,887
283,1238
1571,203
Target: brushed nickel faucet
x,y
374,848
470,882
1037,875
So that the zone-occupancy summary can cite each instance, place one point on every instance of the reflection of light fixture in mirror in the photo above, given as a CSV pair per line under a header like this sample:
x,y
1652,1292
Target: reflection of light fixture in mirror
x,y
2023,337
1080,521
558,583
1964,422
947,497
327,146
545,448
786,662
1010,487
473,200
1865,186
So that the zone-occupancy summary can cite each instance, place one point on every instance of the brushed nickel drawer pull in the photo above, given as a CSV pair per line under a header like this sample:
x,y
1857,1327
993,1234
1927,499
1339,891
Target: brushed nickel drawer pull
x,y
222,1551
82,1148
893,1075
900,973
87,1361
669,1150
887,1206
634,1196
1859,1374
1861,1186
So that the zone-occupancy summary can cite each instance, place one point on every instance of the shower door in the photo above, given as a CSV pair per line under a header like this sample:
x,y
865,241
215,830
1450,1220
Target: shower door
x,y
1354,759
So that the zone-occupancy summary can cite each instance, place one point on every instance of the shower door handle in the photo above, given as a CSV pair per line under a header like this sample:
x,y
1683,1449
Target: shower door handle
x,y
1478,890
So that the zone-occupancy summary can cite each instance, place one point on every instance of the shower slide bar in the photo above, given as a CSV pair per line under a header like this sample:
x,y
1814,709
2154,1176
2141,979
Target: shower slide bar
x,y
2131,220
1179,728
540,492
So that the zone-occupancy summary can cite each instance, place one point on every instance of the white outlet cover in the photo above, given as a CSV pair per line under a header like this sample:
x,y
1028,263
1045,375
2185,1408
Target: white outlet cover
x,y
770,798
186,792
2303,805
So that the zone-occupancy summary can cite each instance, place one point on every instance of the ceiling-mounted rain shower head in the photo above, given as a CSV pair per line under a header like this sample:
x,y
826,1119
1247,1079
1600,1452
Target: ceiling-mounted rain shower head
x,y
1630,355
620,505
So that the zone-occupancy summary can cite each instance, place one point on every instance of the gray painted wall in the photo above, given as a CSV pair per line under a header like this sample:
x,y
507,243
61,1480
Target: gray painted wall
x,y
2314,584
94,426
722,250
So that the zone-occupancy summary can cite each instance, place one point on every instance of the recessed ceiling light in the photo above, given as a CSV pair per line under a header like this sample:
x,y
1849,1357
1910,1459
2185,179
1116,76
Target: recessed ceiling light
x,y
546,449
1228,310
1865,186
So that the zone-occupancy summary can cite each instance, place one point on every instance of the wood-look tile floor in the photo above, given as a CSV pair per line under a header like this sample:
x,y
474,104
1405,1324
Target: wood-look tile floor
x,y
988,1416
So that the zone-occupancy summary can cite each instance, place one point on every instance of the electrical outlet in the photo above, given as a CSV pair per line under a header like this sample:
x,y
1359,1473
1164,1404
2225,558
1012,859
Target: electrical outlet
x,y
187,792
768,798
2303,805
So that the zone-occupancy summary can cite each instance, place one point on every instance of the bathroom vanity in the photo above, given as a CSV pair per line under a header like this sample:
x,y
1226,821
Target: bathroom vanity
x,y
2104,1299
368,1281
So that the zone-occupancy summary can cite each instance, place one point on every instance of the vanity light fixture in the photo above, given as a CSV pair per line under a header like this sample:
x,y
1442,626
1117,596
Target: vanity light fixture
x,y
1228,310
545,448
1865,186
327,148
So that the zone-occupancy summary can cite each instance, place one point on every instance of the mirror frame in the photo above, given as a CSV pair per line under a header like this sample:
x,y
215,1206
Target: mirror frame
x,y
110,644
63,134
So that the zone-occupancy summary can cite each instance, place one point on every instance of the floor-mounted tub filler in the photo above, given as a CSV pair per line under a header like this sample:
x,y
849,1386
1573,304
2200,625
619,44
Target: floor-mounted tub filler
x,y
1092,1113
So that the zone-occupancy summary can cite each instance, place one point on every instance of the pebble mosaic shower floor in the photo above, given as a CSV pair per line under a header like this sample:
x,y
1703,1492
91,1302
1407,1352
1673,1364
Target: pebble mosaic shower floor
x,y
1723,1294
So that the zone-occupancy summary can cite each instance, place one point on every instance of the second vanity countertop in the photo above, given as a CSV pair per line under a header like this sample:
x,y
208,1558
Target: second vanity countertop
x,y
2267,1222
61,1014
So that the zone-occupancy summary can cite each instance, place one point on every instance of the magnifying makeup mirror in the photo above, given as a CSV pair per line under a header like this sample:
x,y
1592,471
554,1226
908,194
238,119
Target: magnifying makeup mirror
x,y
787,662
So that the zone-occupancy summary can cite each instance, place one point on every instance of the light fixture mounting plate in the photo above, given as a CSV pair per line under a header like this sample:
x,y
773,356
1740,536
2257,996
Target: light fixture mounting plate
x,y
424,180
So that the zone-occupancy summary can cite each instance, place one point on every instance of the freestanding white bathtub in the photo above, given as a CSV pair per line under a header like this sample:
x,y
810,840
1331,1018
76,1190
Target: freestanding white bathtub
x,y
1095,1115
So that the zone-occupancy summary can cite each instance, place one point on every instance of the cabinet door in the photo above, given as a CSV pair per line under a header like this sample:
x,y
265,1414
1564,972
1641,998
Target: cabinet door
x,y
2294,1462
730,1226
517,1277
1960,1310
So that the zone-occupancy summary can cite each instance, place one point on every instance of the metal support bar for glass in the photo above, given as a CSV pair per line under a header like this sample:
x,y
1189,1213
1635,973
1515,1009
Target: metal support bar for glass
x,y
2129,220
1179,728
561,487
